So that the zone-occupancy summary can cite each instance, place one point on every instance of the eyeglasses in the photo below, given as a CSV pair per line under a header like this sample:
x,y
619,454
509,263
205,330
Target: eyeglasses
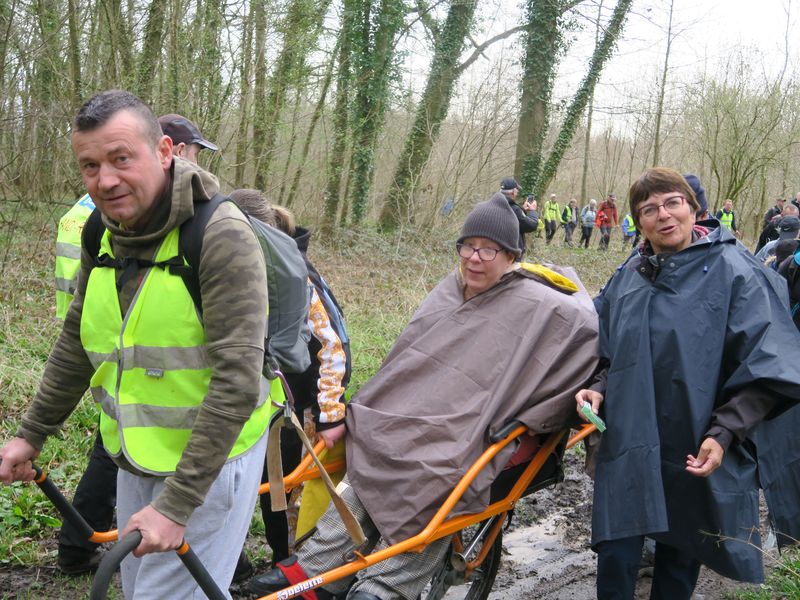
x,y
466,251
670,205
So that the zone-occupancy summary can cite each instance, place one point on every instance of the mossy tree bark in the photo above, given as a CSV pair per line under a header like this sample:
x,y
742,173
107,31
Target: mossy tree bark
x,y
602,52
431,111
151,50
300,30
543,43
374,59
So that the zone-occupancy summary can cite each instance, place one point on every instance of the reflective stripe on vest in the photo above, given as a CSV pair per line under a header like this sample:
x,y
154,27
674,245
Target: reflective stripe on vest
x,y
551,211
68,252
726,219
151,368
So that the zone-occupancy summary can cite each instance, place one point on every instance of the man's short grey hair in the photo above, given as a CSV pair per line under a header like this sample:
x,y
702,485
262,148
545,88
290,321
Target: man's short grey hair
x,y
790,209
101,107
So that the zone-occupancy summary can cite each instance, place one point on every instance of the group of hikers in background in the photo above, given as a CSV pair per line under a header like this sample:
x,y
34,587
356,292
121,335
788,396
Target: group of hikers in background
x,y
603,218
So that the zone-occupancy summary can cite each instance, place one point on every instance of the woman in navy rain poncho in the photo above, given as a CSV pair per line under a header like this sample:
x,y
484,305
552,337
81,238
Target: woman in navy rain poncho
x,y
698,349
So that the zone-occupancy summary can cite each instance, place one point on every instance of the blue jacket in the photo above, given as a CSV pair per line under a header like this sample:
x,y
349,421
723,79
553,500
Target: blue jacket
x,y
712,321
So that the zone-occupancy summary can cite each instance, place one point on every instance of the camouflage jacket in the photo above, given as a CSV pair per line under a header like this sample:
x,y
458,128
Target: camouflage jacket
x,y
233,288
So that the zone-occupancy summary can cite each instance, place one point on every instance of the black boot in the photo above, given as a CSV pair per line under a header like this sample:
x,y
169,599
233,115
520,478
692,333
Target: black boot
x,y
78,561
244,569
268,582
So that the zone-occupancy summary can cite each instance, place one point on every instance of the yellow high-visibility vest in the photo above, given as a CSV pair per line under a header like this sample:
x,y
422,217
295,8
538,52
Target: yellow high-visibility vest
x,y
68,252
152,369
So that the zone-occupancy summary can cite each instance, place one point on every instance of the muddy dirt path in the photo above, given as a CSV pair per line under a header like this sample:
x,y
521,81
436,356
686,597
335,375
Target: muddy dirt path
x,y
547,555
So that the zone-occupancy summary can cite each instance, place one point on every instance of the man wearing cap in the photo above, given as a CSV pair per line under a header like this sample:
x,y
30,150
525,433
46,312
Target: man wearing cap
x,y
771,230
527,222
439,382
95,496
187,141
787,230
773,211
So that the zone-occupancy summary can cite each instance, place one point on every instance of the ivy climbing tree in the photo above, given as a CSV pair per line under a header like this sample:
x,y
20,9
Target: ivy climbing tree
x,y
543,45
602,52
373,59
431,112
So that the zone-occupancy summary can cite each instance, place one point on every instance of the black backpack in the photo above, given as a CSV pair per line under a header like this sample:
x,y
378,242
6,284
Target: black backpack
x,y
287,338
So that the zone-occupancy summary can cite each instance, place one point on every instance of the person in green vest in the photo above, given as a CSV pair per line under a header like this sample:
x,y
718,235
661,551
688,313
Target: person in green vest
x,y
630,234
569,219
552,216
184,405
95,496
727,217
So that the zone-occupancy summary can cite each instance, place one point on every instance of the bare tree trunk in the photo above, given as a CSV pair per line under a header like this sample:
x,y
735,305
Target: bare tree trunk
x,y
74,54
259,11
587,142
300,30
122,40
431,112
173,81
290,151
245,69
319,108
662,90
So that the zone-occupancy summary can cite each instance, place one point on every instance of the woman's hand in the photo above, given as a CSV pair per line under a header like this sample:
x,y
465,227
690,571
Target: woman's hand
x,y
595,399
332,435
708,458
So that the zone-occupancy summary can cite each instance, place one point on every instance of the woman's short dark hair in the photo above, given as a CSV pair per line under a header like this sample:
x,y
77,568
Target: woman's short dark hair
x,y
99,109
659,180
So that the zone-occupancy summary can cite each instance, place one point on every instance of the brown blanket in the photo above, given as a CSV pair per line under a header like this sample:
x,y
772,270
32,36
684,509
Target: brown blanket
x,y
459,371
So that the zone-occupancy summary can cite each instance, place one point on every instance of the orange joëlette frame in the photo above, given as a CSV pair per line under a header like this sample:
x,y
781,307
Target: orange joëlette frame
x,y
294,479
437,527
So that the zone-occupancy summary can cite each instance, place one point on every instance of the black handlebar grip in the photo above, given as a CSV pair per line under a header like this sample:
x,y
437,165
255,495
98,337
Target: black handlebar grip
x,y
110,564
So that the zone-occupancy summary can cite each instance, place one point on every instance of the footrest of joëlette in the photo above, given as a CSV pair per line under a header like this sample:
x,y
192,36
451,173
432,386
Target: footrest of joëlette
x,y
552,470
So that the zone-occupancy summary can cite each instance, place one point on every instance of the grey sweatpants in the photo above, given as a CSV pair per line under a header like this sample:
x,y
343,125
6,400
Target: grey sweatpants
x,y
403,576
215,531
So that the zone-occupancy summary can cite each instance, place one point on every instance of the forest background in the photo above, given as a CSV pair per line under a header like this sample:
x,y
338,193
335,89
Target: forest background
x,y
401,113
390,115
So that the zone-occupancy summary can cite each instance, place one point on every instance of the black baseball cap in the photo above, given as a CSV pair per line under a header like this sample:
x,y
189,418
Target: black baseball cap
x,y
183,131
509,183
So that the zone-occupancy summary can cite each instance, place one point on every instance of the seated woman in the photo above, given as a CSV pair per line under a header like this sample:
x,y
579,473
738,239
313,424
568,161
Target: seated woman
x,y
699,348
492,342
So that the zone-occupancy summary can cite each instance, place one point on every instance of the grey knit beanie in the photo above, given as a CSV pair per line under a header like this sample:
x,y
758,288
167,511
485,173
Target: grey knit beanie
x,y
494,220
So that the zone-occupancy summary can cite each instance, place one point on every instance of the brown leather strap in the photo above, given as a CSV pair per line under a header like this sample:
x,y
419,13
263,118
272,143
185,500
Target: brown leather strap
x,y
275,476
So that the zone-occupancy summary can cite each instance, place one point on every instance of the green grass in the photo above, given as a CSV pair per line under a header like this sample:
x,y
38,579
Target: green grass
x,y
783,583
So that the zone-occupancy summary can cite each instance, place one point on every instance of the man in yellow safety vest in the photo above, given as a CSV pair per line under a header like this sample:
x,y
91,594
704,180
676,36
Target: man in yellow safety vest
x,y
184,405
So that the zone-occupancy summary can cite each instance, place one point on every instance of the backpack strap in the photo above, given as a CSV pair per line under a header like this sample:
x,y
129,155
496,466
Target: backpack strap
x,y
92,235
92,239
190,245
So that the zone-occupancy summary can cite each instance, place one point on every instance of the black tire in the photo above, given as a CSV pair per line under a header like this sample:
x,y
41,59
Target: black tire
x,y
450,584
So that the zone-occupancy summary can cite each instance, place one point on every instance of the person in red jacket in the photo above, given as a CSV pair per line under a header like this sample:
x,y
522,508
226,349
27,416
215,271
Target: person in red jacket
x,y
609,219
